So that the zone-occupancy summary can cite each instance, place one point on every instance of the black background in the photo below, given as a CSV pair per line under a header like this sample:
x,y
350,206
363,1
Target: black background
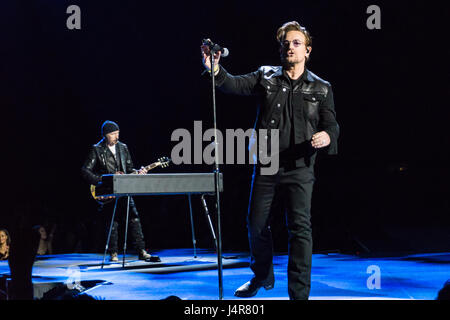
x,y
138,63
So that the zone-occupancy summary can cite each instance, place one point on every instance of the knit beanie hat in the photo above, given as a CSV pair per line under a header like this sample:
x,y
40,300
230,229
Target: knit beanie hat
x,y
108,127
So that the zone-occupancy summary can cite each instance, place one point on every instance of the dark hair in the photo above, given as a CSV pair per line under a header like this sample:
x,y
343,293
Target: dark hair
x,y
8,238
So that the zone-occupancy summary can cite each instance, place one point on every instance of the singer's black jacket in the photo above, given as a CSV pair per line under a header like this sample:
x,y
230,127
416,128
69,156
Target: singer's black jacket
x,y
100,160
274,90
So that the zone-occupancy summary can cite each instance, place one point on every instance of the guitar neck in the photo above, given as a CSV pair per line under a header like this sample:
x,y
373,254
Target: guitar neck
x,y
152,166
149,167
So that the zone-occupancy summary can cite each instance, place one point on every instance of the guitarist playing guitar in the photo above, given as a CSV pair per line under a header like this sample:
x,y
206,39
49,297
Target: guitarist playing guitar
x,y
110,156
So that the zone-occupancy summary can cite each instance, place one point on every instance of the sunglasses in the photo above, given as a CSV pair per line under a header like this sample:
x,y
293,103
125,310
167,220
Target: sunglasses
x,y
287,43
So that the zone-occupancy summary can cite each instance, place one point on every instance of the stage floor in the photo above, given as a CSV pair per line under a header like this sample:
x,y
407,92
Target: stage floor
x,y
334,276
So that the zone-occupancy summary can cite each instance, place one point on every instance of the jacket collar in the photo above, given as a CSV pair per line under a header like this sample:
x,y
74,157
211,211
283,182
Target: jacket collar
x,y
102,144
307,76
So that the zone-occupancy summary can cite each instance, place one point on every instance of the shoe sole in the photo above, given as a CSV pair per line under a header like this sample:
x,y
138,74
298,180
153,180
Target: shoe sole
x,y
267,287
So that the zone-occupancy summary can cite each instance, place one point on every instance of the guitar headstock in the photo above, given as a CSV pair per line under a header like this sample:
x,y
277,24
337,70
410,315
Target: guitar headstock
x,y
164,162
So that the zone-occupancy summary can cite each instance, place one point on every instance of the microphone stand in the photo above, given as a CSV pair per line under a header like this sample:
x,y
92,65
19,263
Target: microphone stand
x,y
217,176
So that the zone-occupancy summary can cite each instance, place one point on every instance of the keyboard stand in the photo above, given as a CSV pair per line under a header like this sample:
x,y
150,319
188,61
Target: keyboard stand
x,y
194,241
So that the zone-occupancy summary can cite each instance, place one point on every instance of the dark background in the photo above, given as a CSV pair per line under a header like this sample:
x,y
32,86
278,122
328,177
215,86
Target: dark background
x,y
138,63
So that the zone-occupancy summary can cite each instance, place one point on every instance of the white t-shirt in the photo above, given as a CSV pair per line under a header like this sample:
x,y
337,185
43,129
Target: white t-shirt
x,y
113,149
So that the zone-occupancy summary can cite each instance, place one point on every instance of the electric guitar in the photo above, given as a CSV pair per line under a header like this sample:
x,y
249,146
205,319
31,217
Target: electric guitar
x,y
162,162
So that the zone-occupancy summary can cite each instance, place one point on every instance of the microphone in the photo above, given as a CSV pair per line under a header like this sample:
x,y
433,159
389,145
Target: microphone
x,y
215,47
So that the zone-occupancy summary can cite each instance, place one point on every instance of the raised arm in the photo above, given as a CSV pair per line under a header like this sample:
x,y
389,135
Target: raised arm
x,y
245,85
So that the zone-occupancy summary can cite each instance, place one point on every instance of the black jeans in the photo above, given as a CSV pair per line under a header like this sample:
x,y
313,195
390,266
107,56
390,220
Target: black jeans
x,y
296,186
134,224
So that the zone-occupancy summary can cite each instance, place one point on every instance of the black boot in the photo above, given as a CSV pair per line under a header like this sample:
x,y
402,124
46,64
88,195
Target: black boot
x,y
143,255
250,289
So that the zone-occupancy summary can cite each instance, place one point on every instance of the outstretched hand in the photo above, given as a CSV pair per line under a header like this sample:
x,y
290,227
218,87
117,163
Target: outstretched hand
x,y
206,54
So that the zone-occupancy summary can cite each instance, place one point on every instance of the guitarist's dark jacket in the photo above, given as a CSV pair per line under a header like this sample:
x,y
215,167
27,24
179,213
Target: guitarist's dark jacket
x,y
101,160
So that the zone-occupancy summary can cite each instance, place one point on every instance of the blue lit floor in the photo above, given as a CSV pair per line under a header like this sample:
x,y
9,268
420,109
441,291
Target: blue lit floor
x,y
334,276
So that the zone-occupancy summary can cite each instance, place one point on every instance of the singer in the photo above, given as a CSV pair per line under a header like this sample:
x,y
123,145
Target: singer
x,y
301,106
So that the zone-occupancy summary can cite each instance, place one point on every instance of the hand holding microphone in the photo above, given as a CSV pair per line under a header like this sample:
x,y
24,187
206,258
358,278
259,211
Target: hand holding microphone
x,y
207,47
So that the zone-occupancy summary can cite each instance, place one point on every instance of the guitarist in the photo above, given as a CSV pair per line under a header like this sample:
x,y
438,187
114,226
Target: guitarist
x,y
110,156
